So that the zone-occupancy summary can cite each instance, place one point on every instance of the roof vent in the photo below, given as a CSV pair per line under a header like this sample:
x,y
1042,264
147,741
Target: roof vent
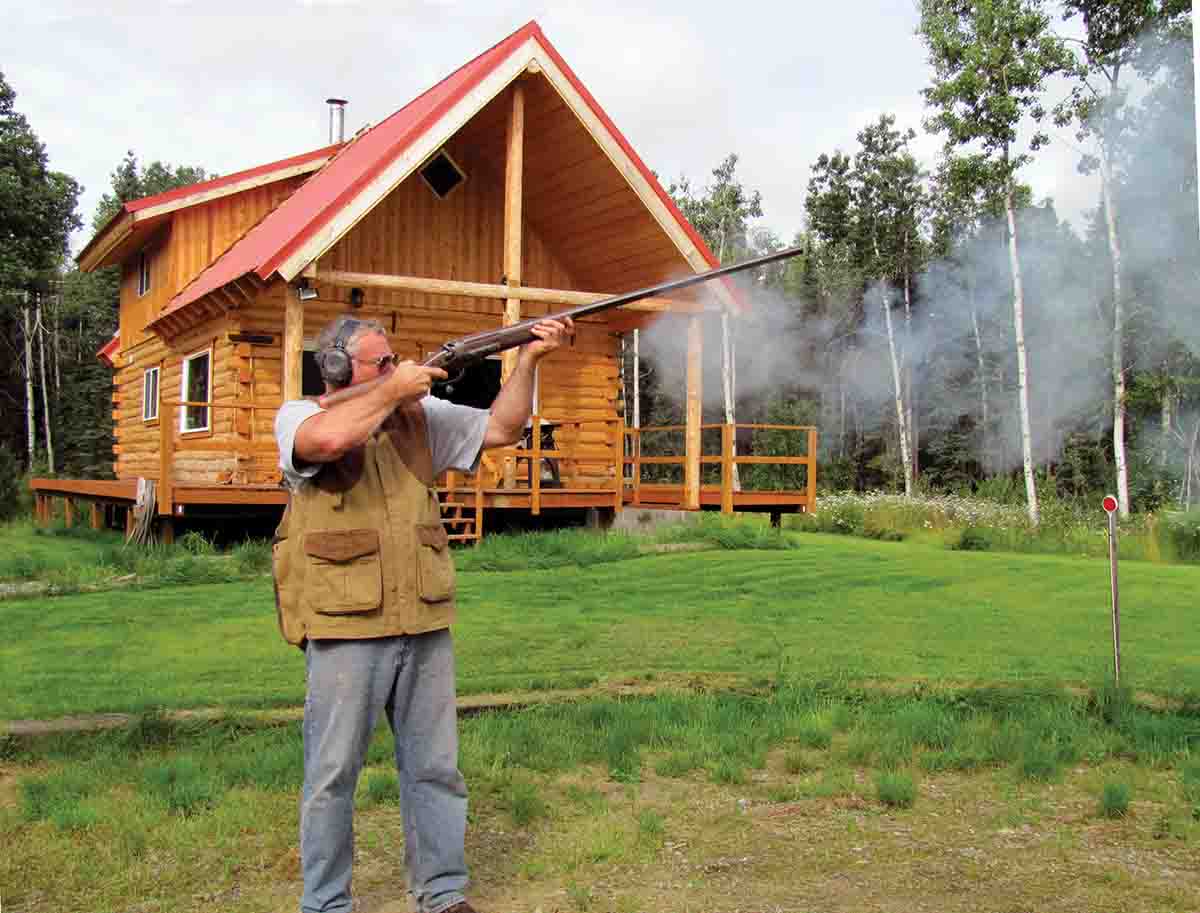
x,y
442,174
337,120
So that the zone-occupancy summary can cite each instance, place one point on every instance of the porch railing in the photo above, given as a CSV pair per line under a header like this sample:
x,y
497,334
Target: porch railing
x,y
727,459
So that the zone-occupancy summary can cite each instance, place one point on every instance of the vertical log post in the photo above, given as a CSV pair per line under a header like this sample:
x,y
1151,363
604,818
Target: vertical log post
x,y
727,465
618,446
293,345
637,466
812,470
69,512
166,455
514,169
97,520
535,467
691,466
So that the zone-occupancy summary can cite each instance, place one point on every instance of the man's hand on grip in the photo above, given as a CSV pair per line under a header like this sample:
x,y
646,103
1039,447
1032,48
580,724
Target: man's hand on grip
x,y
410,381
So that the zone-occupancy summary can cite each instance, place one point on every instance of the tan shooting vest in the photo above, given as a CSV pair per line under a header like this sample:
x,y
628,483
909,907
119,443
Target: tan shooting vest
x,y
361,551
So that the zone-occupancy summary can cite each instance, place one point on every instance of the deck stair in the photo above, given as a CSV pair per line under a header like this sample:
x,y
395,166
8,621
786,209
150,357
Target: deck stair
x,y
461,515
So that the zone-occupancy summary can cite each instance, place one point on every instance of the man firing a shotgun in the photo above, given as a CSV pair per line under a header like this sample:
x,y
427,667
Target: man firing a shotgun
x,y
365,585
364,580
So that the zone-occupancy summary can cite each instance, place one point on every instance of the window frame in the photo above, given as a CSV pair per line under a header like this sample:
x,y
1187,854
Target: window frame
x,y
151,414
442,152
143,268
183,396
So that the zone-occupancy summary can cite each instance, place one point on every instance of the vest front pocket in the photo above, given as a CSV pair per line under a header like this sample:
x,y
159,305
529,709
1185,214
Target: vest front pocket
x,y
435,564
344,575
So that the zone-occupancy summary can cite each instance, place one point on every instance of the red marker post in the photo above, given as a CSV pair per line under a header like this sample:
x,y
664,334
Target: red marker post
x,y
1110,507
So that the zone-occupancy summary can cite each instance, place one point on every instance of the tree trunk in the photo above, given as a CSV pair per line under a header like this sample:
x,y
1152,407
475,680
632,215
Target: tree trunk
x,y
909,397
905,455
1192,469
1165,419
1118,337
30,415
981,364
1022,360
727,382
637,382
41,331
57,357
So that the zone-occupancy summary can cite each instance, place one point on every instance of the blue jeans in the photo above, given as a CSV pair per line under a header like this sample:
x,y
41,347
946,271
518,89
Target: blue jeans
x,y
349,683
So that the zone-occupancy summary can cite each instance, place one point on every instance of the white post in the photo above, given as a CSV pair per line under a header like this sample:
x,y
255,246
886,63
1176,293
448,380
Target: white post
x,y
1110,507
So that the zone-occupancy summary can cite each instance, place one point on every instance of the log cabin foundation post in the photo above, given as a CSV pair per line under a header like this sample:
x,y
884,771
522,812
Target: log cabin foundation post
x,y
691,463
96,519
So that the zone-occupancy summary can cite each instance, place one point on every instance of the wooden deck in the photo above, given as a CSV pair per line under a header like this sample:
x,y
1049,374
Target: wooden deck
x,y
569,476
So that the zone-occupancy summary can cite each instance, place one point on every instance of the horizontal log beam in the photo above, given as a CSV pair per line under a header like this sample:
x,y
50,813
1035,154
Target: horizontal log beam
x,y
486,290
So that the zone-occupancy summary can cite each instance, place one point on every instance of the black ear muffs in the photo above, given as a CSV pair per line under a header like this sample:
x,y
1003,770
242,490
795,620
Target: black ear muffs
x,y
335,363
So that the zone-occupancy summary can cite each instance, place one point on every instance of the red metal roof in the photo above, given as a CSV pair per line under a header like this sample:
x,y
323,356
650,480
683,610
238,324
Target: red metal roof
x,y
109,349
314,204
203,187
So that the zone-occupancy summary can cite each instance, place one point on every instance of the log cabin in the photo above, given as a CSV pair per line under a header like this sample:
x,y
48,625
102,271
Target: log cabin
x,y
503,192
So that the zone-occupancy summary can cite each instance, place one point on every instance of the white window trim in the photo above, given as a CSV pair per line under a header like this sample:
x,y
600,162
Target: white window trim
x,y
150,410
143,266
183,385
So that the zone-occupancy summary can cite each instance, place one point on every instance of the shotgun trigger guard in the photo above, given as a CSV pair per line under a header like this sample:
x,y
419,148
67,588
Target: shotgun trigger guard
x,y
449,382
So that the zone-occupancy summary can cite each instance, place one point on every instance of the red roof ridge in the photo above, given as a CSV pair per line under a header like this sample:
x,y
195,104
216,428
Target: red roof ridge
x,y
188,190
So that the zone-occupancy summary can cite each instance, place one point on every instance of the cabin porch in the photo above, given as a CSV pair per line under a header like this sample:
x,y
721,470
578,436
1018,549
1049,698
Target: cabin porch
x,y
561,465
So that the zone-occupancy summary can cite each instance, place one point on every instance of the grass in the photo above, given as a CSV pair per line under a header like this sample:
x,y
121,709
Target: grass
x,y
839,606
959,523
74,559
173,814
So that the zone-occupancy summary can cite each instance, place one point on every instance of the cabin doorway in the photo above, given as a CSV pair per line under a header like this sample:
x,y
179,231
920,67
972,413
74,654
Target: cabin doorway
x,y
478,386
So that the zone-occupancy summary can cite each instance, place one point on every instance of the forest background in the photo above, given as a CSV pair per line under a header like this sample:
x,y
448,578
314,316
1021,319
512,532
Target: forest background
x,y
944,329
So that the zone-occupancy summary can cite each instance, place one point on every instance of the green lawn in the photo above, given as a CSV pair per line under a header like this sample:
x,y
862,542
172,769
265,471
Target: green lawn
x,y
834,607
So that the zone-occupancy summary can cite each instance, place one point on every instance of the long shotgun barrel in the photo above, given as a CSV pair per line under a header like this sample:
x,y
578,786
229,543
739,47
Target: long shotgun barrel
x,y
456,355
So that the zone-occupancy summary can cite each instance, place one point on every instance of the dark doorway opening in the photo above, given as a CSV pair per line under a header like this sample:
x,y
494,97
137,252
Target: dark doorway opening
x,y
310,376
477,387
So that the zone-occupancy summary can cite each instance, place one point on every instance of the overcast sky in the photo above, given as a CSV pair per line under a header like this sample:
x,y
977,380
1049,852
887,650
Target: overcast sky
x,y
227,86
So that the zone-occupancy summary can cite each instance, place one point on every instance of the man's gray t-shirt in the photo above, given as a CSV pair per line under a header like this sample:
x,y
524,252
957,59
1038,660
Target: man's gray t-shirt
x,y
455,435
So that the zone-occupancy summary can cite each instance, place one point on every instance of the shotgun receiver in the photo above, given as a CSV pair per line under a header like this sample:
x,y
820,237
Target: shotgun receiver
x,y
459,354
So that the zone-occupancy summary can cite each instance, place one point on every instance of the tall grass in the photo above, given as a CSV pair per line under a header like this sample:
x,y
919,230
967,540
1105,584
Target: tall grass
x,y
977,524
583,548
70,559
188,768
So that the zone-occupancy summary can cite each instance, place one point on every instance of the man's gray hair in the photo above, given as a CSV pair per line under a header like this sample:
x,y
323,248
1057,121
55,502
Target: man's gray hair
x,y
338,325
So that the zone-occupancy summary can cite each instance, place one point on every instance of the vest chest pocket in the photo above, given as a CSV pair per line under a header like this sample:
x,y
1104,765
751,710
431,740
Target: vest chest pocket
x,y
344,575
435,564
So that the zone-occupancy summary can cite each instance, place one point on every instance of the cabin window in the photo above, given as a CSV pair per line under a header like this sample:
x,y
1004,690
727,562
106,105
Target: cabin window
x,y
143,273
150,395
442,174
197,390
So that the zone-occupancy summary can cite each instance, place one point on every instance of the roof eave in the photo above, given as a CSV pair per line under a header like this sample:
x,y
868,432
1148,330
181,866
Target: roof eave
x,y
116,231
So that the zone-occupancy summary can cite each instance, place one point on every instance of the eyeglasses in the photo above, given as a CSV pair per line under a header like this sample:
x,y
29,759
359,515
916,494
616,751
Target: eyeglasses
x,y
381,363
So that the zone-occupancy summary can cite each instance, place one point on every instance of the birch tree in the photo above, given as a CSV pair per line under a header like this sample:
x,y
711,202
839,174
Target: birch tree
x,y
888,197
1118,38
990,60
37,214
722,214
